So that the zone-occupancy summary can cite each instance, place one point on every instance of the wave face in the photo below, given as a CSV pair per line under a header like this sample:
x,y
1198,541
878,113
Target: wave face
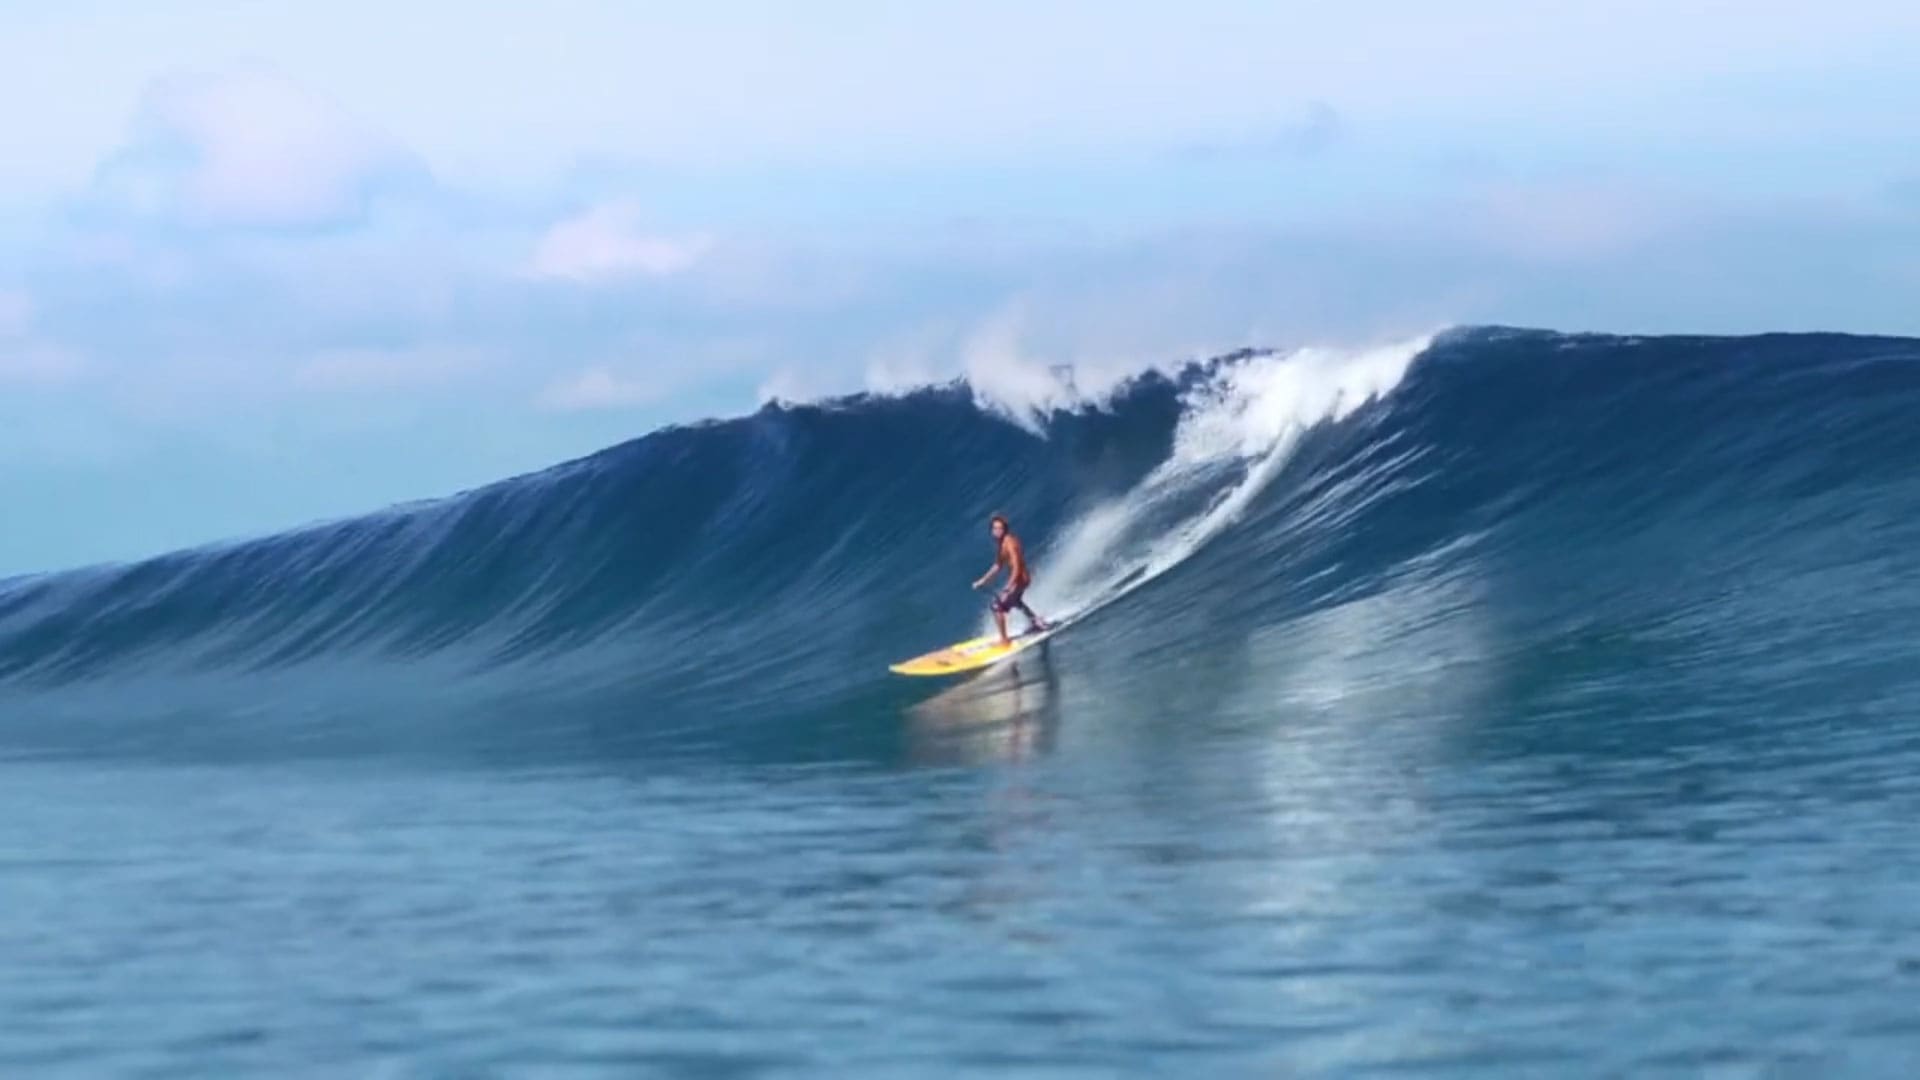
x,y
1726,522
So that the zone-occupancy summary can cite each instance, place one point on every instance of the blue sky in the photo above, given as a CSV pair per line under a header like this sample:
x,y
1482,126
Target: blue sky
x,y
269,262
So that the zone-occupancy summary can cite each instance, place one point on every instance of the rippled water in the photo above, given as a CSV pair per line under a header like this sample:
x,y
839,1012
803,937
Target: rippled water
x,y
1551,714
1041,876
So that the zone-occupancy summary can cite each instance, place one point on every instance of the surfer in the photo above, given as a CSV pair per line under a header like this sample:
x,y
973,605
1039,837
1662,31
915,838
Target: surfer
x,y
1010,554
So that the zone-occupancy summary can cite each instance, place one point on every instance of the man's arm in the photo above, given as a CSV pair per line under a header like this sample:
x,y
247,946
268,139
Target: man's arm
x,y
998,558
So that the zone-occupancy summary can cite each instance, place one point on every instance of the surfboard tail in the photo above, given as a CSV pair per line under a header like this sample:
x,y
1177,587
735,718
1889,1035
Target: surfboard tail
x,y
975,653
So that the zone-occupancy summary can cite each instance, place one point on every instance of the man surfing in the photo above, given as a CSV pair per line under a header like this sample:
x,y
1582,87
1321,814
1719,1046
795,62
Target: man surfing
x,y
1010,554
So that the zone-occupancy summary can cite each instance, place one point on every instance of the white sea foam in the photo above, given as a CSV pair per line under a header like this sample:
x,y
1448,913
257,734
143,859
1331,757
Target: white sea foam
x,y
1017,371
1236,432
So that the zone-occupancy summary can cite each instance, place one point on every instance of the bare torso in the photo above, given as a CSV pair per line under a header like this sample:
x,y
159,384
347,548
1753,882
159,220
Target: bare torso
x,y
1015,559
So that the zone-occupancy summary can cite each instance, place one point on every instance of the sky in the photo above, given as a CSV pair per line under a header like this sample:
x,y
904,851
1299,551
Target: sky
x,y
269,262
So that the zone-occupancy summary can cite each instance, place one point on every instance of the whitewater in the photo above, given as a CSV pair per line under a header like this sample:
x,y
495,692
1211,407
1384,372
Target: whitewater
x,y
1495,701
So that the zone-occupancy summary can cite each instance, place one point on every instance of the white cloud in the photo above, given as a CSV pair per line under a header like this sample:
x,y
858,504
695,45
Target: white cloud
x,y
608,241
383,369
525,90
652,367
37,363
601,388
16,313
1570,224
25,358
246,147
1316,128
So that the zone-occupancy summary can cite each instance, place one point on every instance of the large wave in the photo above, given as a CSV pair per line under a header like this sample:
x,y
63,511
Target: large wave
x,y
1482,491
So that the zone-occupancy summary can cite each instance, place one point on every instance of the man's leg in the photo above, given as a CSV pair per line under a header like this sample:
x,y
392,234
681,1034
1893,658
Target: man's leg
x,y
1035,623
1000,619
1017,598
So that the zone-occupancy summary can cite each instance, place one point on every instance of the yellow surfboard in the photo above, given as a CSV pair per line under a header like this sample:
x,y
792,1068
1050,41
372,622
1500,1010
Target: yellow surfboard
x,y
972,654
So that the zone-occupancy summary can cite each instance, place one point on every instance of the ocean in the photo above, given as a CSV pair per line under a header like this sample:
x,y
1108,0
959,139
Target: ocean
x,y
1500,703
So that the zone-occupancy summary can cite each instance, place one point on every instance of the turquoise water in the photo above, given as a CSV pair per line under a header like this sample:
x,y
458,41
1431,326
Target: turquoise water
x,y
1515,705
1068,885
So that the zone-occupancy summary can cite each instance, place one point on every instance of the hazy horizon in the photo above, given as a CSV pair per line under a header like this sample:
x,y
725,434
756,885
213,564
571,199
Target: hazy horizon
x,y
296,261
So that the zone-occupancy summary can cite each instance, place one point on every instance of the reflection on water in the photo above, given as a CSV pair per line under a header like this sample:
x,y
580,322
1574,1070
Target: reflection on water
x,y
1010,712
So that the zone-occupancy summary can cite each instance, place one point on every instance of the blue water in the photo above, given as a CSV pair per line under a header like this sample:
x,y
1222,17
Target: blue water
x,y
1512,704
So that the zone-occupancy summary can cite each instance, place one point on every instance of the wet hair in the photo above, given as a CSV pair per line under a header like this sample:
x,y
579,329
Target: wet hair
x,y
1000,520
